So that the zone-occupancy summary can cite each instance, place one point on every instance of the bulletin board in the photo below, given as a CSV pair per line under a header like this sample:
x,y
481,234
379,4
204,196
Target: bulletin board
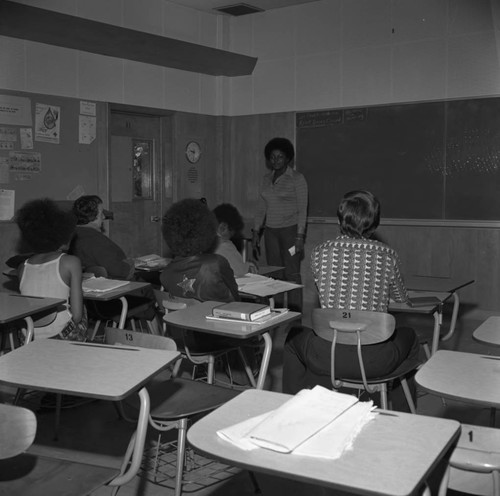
x,y
429,160
50,146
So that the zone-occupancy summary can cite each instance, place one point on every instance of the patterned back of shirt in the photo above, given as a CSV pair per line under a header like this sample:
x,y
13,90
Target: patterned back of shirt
x,y
356,274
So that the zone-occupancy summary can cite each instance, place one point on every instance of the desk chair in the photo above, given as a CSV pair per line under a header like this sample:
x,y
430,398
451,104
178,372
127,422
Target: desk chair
x,y
17,430
474,465
110,311
174,402
166,303
358,328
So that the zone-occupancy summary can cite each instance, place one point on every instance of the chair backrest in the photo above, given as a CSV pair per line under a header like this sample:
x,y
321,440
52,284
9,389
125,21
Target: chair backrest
x,y
17,430
350,325
474,465
115,336
168,303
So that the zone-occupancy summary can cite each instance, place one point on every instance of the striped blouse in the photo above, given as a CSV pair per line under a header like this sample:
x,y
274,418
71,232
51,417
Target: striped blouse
x,y
284,203
357,274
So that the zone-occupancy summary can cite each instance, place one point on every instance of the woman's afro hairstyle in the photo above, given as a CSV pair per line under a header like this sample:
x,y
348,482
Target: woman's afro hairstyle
x,y
225,212
359,214
189,228
44,226
284,145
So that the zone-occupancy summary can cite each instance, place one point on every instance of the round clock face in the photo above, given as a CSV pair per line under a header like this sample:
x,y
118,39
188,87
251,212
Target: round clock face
x,y
193,152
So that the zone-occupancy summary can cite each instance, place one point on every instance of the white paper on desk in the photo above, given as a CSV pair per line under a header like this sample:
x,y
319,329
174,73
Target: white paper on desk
x,y
101,284
329,442
308,412
264,286
237,434
338,436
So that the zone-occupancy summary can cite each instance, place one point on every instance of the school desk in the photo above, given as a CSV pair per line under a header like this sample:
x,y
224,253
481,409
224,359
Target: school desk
x,y
436,310
14,306
89,370
489,331
118,294
466,377
393,455
194,318
441,284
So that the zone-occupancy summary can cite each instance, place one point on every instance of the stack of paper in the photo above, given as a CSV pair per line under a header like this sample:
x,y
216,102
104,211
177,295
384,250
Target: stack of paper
x,y
316,422
101,284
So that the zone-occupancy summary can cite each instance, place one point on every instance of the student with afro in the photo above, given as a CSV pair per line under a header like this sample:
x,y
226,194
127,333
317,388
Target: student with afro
x,y
190,231
50,272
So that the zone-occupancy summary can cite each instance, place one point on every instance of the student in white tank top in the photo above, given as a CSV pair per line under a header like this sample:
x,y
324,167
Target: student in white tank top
x,y
49,272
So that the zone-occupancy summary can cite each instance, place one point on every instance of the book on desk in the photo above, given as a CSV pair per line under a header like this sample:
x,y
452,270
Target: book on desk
x,y
241,310
274,314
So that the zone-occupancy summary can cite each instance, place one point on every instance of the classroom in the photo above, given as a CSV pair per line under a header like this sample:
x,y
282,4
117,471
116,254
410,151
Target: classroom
x,y
233,83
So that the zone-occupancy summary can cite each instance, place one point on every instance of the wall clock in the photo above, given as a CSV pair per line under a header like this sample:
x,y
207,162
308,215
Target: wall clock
x,y
193,152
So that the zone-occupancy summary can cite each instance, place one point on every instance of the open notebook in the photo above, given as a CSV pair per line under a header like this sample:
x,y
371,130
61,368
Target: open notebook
x,y
316,422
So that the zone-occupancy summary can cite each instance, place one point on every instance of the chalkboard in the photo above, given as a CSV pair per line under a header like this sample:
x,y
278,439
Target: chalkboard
x,y
431,160
62,166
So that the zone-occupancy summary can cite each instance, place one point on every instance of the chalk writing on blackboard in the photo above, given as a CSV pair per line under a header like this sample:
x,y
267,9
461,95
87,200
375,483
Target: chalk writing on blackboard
x,y
319,119
355,115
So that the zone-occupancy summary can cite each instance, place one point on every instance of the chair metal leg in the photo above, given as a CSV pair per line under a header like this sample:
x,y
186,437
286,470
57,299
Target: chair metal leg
x,y
383,396
181,453
247,368
58,416
409,399
493,415
255,483
211,369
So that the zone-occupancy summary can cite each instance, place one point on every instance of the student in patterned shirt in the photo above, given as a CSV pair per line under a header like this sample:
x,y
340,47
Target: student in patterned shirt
x,y
352,272
282,211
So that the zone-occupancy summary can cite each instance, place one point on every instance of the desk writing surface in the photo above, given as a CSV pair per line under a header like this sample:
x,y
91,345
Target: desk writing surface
x,y
489,331
16,306
442,284
405,307
193,318
83,369
129,288
392,455
462,376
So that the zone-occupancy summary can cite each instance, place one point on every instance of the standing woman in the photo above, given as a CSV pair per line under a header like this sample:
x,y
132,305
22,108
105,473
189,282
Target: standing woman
x,y
282,211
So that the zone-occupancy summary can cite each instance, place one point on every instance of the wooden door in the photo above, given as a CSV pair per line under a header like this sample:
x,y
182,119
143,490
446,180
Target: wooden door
x,y
136,173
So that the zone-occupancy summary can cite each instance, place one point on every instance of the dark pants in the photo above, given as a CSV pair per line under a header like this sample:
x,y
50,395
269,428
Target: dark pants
x,y
278,241
307,361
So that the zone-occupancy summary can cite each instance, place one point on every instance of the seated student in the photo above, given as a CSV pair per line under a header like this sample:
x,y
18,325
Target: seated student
x,y
231,224
352,272
190,231
92,246
95,249
49,272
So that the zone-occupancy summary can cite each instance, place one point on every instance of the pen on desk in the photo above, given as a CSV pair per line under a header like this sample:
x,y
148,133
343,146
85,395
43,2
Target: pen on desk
x,y
387,414
111,347
491,357
26,296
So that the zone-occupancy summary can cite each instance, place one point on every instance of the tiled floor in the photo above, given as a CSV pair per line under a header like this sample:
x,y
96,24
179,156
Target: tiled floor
x,y
95,427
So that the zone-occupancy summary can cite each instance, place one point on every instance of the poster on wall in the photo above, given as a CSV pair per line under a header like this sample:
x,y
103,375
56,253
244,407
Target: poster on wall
x,y
47,123
86,129
15,110
25,162
7,197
